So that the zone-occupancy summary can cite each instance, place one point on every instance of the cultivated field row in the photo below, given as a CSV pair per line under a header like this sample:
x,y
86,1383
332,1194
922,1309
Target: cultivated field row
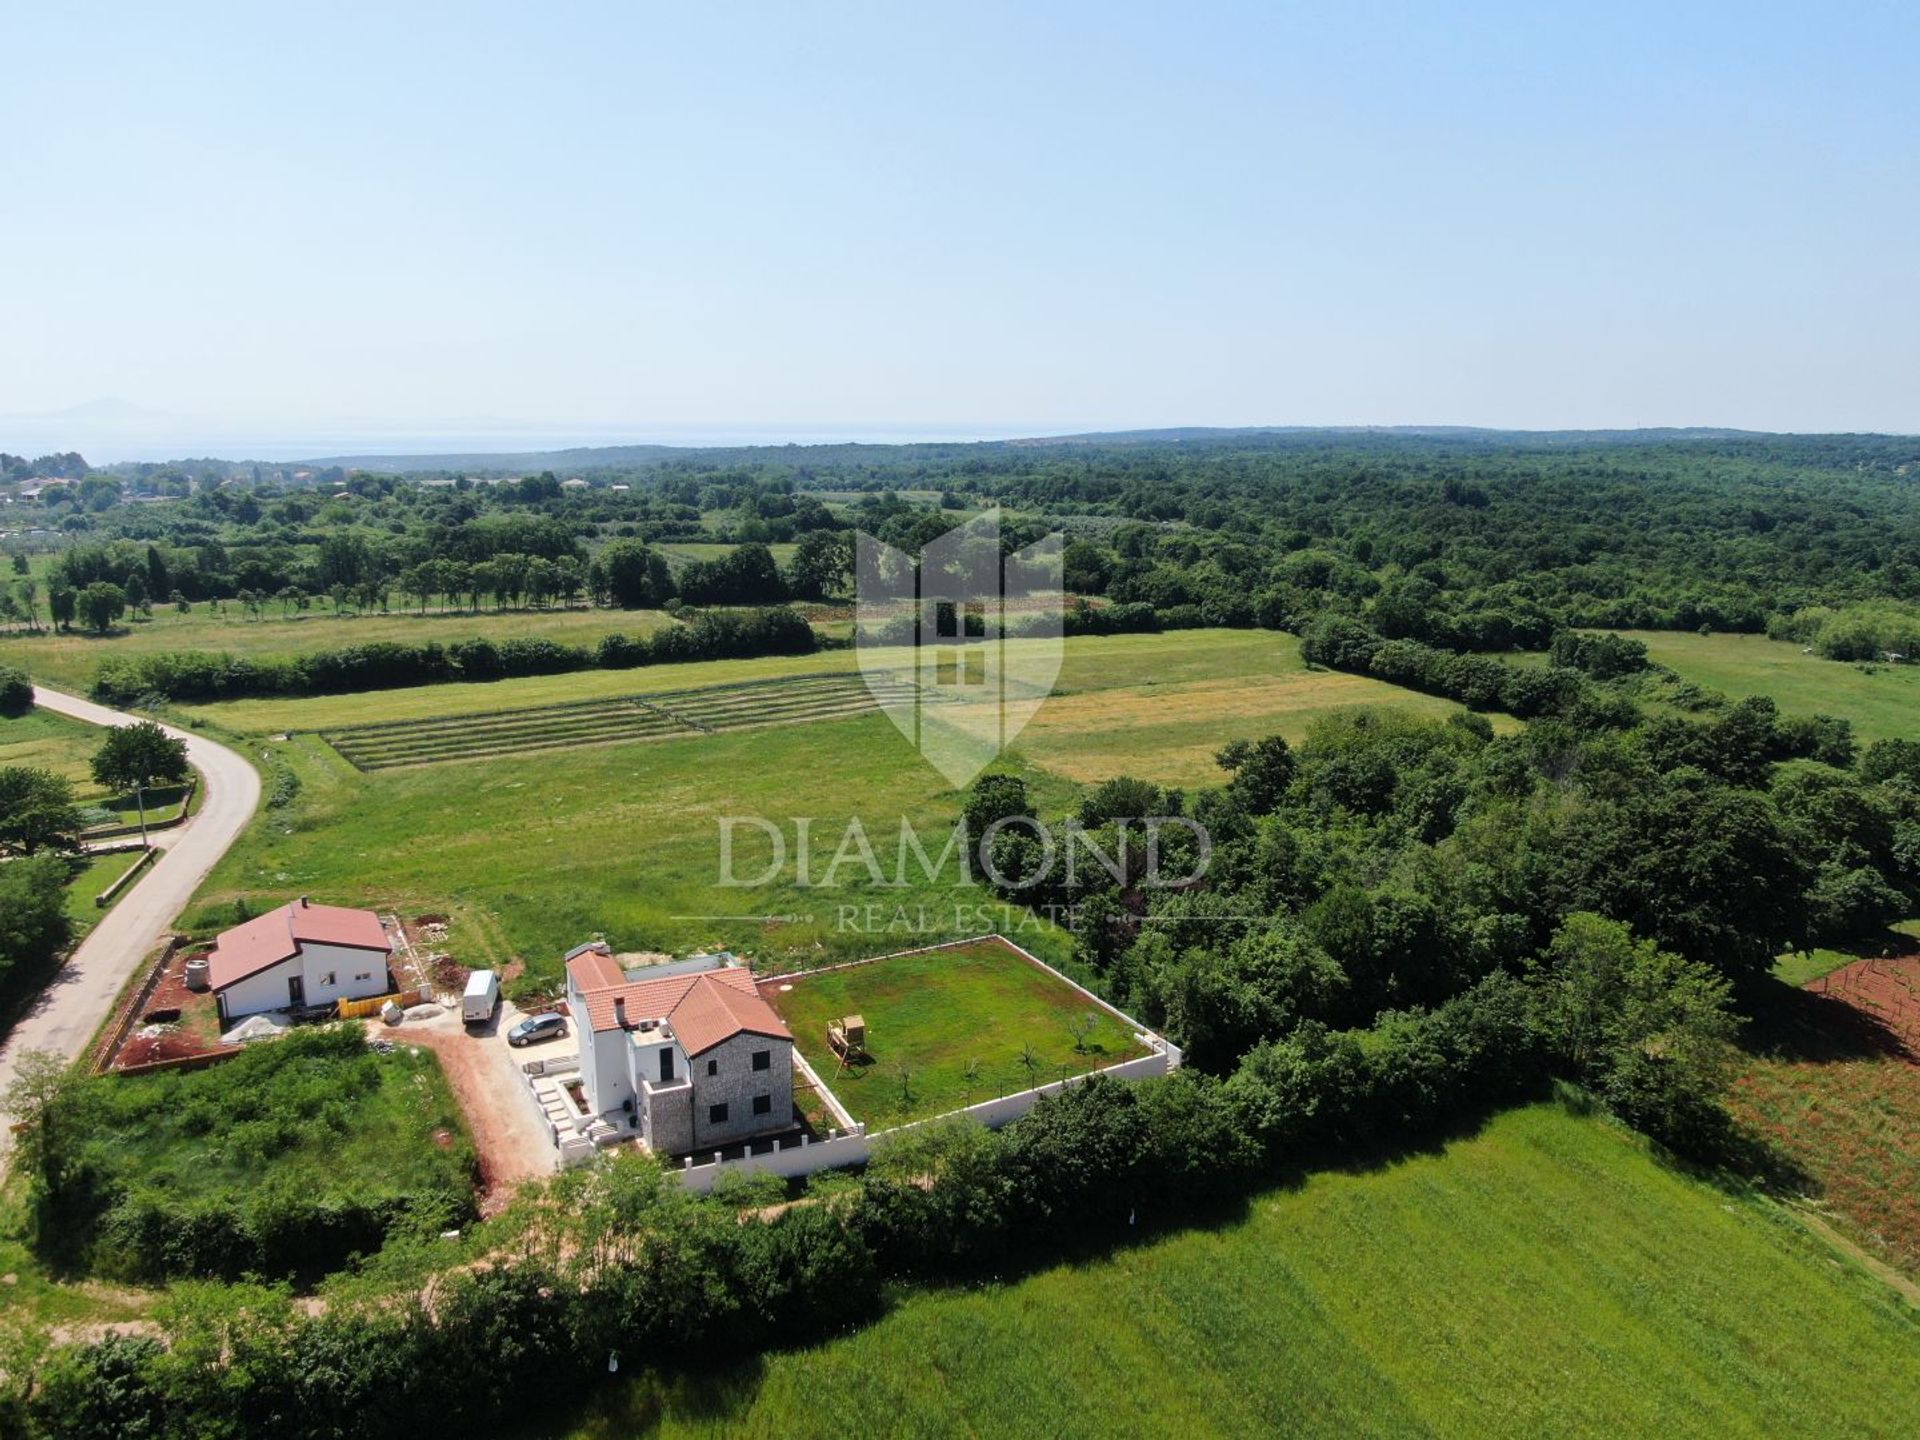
x,y
616,719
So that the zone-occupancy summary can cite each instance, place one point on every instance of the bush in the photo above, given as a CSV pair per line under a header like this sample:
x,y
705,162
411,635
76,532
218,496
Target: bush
x,y
16,691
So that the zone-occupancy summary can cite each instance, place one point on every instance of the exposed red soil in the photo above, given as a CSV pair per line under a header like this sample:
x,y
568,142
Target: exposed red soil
x,y
1837,1093
484,1087
1886,992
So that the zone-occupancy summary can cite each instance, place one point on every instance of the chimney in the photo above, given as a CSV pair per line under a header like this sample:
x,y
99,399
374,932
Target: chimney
x,y
620,1012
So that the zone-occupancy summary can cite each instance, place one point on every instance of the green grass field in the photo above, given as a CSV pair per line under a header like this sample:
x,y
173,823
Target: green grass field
x,y
47,741
938,1012
1544,1278
681,553
1797,968
68,661
532,855
1883,703
90,877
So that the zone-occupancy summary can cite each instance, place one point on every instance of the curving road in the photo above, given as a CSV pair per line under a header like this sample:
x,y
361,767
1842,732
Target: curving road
x,y
81,995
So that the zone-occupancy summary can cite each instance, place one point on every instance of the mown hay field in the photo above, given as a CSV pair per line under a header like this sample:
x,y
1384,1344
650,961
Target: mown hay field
x,y
1546,1277
792,700
43,740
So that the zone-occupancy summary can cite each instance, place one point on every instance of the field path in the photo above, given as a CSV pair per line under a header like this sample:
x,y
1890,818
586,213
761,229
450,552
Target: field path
x,y
80,996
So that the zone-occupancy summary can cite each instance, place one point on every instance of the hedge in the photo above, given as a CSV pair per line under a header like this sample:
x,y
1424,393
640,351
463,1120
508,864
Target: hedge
x,y
199,675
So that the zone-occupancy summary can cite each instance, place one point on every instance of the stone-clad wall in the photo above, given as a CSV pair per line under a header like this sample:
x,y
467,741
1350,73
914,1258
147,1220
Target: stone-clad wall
x,y
735,1083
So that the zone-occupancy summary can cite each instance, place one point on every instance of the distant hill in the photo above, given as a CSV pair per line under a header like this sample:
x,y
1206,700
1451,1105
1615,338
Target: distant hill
x,y
607,457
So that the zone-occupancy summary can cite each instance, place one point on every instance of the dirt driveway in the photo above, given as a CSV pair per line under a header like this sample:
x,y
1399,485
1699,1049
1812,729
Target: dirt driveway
x,y
509,1131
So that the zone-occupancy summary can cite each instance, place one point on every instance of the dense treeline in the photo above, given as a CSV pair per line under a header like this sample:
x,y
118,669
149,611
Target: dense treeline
x,y
1391,861
202,675
1464,543
1867,630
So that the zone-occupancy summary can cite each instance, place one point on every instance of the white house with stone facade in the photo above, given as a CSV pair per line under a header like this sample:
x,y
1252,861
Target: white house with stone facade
x,y
684,1056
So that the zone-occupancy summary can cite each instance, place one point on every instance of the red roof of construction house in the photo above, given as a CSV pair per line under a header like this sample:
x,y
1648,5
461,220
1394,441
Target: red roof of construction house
x,y
264,942
703,1008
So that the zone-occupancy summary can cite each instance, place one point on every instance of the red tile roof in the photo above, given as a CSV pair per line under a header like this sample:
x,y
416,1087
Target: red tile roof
x,y
703,1008
265,941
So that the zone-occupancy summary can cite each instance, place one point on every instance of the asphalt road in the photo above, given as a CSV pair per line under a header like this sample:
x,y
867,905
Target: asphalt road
x,y
71,1008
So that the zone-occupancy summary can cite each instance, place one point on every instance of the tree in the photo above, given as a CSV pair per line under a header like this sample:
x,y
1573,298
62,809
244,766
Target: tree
x,y
636,577
36,812
61,601
34,927
1648,1029
42,1100
1081,1027
29,593
100,605
137,757
822,565
993,798
16,691
1262,771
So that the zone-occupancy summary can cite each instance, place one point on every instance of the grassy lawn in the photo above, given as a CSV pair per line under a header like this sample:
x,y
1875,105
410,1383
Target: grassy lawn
x,y
164,805
1170,732
91,876
1544,1278
1155,706
68,661
1881,704
930,1015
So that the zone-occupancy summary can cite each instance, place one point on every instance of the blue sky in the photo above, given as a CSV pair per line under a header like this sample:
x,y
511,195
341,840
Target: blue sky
x,y
913,219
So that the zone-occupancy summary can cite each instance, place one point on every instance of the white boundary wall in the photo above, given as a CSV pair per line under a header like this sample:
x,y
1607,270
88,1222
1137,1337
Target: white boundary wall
x,y
805,1156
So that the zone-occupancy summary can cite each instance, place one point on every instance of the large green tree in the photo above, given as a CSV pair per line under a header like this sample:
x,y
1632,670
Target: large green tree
x,y
34,927
37,812
135,758
635,577
100,605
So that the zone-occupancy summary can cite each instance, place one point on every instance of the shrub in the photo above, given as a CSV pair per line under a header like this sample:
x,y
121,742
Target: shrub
x,y
16,691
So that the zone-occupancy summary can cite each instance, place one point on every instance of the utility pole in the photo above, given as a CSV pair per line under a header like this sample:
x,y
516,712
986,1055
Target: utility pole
x,y
140,800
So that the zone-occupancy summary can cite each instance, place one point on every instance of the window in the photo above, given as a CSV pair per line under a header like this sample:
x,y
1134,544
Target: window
x,y
666,1063
713,1067
763,1104
716,1114
364,975
762,1059
327,979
